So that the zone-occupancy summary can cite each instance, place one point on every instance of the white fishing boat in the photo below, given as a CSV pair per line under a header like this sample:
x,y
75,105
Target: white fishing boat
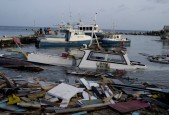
x,y
65,37
115,40
115,59
88,29
91,59
91,28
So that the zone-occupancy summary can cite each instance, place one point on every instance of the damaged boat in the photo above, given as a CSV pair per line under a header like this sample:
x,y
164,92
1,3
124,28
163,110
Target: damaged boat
x,y
91,59
164,59
14,63
113,59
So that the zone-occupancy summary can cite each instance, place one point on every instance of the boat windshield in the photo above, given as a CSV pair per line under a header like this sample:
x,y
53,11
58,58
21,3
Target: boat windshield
x,y
111,58
114,58
97,56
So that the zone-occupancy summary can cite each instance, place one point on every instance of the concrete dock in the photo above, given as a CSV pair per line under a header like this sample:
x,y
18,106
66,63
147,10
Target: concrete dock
x,y
9,41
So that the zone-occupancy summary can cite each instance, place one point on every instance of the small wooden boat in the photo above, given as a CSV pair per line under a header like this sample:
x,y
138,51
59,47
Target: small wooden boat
x,y
18,64
164,59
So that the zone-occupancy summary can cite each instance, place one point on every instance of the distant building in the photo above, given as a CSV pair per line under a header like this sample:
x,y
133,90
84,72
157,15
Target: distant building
x,y
165,33
166,28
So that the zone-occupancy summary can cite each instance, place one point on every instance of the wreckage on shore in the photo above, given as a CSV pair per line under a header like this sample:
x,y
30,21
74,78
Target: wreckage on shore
x,y
30,95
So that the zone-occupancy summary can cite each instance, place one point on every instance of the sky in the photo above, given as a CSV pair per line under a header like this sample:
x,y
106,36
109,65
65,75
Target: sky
x,y
111,14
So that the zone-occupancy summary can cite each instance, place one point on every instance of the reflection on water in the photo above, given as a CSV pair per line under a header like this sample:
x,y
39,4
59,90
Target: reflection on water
x,y
165,44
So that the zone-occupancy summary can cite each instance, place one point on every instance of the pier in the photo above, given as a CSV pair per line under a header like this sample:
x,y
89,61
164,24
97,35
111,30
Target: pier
x,y
9,41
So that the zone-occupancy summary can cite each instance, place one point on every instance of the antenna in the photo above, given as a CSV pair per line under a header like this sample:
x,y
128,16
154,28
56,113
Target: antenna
x,y
34,23
80,20
95,18
113,27
70,14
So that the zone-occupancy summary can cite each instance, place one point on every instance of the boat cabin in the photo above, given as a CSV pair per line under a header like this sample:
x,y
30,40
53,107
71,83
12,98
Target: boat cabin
x,y
112,59
89,28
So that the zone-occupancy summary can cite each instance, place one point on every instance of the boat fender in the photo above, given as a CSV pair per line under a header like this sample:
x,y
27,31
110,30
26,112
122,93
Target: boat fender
x,y
85,46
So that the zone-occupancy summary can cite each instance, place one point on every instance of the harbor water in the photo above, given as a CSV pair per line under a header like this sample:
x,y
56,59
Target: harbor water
x,y
155,72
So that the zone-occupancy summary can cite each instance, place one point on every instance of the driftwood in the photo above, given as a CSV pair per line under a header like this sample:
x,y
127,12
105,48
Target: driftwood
x,y
8,81
139,88
70,110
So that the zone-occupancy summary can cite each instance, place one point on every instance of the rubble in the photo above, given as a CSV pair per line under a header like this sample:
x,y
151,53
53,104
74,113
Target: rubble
x,y
30,95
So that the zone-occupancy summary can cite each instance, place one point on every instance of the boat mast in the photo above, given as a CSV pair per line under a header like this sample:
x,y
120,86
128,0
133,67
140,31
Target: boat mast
x,y
113,27
94,34
95,19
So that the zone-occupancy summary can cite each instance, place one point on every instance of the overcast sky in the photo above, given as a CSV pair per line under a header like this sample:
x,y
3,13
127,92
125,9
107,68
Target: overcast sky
x,y
122,14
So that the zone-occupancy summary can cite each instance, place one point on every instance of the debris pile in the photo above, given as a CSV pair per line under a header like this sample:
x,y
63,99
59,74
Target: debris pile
x,y
30,95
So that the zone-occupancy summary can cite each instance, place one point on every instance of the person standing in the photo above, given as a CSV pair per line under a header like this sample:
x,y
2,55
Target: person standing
x,y
45,30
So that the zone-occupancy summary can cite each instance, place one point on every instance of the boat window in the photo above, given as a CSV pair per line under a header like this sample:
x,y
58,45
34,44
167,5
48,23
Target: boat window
x,y
84,29
90,28
80,28
97,56
112,58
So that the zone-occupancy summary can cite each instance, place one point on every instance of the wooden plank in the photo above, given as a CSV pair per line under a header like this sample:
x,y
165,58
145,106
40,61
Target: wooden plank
x,y
29,105
85,83
37,95
5,106
8,81
142,88
91,102
70,110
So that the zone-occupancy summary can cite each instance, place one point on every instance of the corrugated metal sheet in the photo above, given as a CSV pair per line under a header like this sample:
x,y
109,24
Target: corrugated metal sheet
x,y
132,105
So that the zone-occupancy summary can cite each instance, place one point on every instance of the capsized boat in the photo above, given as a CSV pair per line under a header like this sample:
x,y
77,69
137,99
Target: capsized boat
x,y
15,63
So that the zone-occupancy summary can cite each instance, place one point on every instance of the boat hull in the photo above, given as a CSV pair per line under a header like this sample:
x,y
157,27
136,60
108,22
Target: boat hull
x,y
65,44
18,64
158,60
107,66
114,43
45,59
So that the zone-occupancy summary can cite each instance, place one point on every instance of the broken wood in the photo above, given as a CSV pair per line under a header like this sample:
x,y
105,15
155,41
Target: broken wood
x,y
85,108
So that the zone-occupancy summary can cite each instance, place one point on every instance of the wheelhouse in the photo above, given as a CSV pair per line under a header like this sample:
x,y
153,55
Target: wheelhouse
x,y
107,57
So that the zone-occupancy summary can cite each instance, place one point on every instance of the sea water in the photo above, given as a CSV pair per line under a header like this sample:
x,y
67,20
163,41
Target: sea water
x,y
151,45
